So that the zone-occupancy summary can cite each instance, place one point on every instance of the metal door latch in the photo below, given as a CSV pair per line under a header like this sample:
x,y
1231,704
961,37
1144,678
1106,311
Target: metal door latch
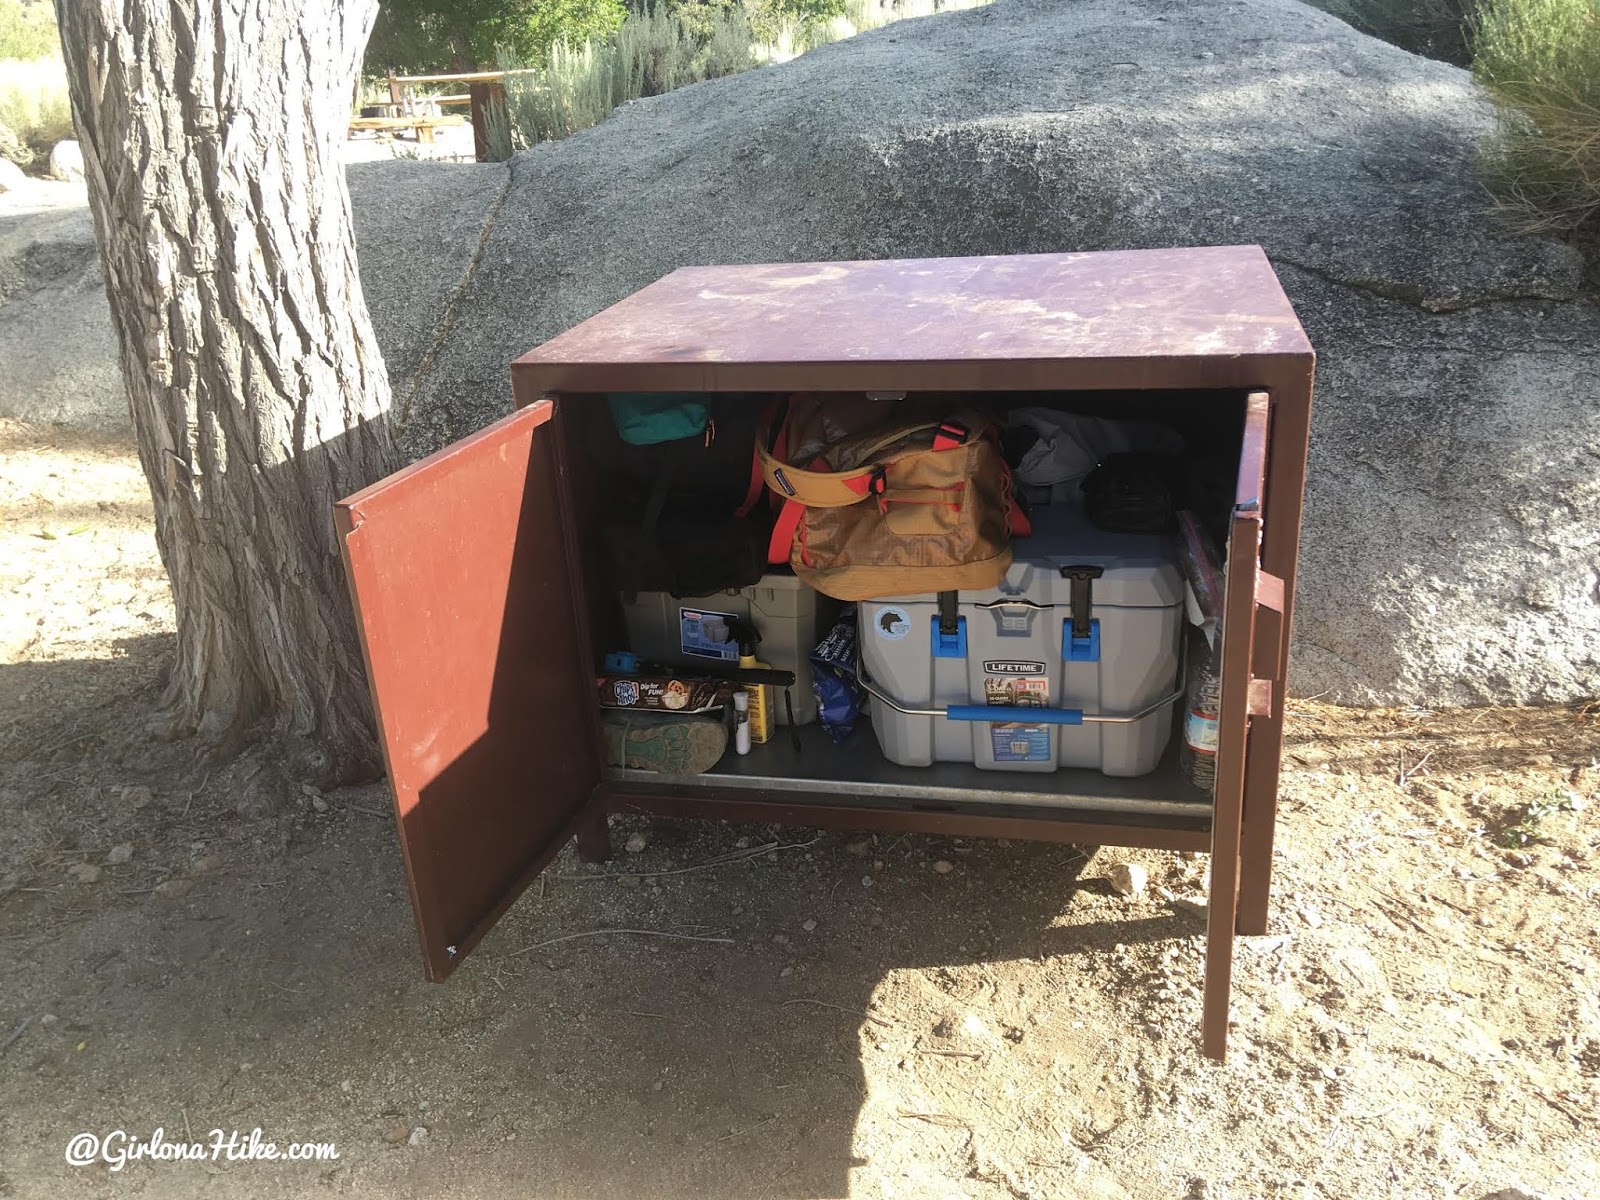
x,y
1259,699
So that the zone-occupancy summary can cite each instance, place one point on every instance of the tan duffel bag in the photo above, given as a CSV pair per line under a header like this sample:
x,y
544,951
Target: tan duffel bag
x,y
894,497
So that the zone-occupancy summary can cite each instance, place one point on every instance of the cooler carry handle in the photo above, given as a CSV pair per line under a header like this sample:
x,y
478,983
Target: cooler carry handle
x,y
1008,714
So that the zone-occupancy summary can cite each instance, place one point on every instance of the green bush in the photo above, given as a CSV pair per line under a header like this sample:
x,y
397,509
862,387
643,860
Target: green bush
x,y
730,47
1439,29
808,20
662,46
574,90
552,21
34,104
421,37
1540,59
28,30
655,51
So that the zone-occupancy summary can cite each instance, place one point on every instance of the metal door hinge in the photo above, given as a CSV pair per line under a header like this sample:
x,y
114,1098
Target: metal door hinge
x,y
1259,703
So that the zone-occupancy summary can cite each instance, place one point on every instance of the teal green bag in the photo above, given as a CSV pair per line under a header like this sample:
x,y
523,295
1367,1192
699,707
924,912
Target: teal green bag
x,y
646,418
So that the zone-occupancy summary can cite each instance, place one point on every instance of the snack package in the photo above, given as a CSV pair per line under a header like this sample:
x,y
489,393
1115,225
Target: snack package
x,y
664,693
833,678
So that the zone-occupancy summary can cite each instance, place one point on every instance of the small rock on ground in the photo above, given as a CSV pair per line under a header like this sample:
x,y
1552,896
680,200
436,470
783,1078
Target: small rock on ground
x,y
11,176
66,161
635,844
13,149
1128,878
120,854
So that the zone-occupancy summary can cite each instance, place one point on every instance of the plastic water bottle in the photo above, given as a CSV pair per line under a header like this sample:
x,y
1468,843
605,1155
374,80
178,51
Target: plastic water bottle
x,y
1197,758
741,722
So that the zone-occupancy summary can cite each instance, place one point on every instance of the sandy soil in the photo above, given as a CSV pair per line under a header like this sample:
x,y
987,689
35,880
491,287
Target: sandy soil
x,y
1421,1021
451,143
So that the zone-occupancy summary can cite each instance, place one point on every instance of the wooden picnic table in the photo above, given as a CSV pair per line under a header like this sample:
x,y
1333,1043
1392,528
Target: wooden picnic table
x,y
424,125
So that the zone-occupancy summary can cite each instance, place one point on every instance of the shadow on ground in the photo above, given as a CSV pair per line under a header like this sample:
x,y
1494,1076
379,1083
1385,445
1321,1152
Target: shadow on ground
x,y
240,973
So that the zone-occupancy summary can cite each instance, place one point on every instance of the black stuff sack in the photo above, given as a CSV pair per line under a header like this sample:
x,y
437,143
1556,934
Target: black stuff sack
x,y
689,515
1131,493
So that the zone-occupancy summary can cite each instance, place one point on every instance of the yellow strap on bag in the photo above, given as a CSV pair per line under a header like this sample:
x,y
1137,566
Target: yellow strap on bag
x,y
830,489
940,504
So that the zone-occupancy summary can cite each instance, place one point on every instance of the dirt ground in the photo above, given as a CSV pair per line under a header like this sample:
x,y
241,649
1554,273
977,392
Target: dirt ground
x,y
1421,1021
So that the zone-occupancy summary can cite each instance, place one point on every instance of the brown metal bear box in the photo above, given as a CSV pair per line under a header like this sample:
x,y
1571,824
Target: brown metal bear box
x,y
484,612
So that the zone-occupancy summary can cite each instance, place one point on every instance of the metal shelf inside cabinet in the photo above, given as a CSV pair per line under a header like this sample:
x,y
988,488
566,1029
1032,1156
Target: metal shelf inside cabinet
x,y
856,770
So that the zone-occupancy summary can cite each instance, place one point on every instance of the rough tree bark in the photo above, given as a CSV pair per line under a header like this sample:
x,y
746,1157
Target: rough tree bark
x,y
211,134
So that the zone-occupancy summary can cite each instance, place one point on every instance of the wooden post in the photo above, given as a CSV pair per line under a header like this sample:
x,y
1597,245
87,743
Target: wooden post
x,y
485,95
394,94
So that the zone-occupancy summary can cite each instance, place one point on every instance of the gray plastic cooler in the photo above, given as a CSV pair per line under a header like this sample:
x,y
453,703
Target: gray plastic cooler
x,y
1070,678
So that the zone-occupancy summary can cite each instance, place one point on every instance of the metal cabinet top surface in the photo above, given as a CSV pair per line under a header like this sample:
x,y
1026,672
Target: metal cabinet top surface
x,y
987,318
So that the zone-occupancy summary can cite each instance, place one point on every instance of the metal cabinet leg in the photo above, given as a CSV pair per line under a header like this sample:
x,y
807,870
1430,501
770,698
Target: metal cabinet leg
x,y
594,838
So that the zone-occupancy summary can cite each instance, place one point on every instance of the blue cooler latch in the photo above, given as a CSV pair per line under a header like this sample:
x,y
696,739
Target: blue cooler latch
x,y
949,629
1080,634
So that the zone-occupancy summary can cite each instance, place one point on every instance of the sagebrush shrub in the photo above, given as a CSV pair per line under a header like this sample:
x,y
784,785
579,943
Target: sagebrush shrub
x,y
1540,59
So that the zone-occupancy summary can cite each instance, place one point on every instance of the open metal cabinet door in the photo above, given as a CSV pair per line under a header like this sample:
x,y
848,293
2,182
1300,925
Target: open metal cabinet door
x,y
1241,695
460,570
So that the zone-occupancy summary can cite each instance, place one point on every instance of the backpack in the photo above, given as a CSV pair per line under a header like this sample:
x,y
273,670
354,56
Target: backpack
x,y
894,498
682,514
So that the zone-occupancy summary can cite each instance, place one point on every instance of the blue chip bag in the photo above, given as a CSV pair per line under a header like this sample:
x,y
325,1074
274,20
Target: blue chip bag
x,y
833,678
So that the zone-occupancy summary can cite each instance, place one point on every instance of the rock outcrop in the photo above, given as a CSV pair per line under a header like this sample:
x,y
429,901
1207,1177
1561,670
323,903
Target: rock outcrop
x,y
1452,530
58,349
66,162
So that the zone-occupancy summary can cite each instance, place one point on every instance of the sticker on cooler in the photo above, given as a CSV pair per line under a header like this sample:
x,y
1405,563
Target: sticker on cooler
x,y
1018,685
1020,743
891,623
703,634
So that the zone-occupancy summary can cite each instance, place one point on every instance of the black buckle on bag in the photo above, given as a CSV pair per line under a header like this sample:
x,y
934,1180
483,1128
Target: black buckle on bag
x,y
878,481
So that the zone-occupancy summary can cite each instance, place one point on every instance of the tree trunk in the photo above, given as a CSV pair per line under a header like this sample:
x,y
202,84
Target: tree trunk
x,y
211,135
